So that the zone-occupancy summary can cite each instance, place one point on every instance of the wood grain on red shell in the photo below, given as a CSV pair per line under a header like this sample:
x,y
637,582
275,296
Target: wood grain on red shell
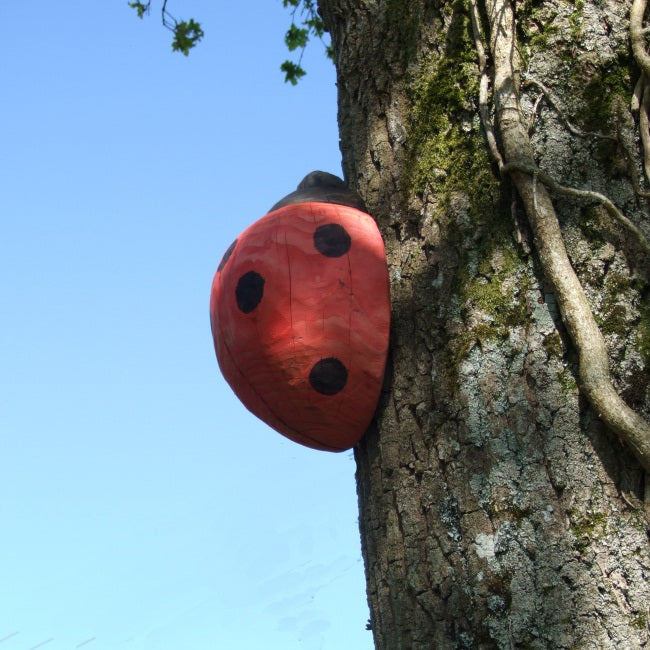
x,y
301,334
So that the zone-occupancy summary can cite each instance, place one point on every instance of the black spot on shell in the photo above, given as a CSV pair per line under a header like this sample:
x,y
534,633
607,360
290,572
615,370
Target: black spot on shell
x,y
328,376
249,291
332,240
226,255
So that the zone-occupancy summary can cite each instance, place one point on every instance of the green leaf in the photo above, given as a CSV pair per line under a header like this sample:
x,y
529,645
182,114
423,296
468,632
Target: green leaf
x,y
296,37
316,24
186,35
140,7
309,23
292,72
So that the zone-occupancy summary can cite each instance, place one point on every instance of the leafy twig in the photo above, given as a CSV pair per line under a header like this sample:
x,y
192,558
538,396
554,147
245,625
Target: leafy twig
x,y
187,33
298,35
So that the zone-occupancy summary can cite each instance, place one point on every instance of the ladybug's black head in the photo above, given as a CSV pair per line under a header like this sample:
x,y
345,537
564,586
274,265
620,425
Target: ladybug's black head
x,y
323,187
321,179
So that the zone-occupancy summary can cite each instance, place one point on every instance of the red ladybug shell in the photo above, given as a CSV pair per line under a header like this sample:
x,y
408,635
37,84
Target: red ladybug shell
x,y
300,315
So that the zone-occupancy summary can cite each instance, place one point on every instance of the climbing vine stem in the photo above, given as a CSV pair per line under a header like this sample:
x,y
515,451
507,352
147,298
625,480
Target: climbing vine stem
x,y
516,159
587,195
642,92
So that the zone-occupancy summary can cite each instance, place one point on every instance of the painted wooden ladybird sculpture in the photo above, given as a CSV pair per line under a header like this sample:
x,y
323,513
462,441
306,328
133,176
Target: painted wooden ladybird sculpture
x,y
300,313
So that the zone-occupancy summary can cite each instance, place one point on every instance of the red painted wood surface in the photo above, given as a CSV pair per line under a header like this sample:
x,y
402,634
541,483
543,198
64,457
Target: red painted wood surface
x,y
301,335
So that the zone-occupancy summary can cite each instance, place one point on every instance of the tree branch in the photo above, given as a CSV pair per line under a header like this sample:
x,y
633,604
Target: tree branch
x,y
576,312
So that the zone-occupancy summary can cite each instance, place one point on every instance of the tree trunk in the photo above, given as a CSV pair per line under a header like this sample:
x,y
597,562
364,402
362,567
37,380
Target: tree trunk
x,y
497,510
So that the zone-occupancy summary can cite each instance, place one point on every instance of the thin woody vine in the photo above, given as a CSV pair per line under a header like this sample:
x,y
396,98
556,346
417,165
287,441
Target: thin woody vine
x,y
502,77
507,133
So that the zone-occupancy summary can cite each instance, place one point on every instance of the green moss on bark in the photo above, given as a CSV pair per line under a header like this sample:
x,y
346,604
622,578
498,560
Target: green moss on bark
x,y
494,298
534,27
639,620
553,345
501,292
402,23
448,150
598,91
587,530
576,18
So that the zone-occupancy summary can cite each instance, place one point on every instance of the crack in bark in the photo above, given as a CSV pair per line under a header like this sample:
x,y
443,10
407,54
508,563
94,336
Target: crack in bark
x,y
518,161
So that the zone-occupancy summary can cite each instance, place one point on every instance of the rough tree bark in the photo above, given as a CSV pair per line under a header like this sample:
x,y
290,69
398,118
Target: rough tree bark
x,y
497,509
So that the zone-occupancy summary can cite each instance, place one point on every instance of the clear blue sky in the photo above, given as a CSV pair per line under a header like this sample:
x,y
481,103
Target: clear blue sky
x,y
141,506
